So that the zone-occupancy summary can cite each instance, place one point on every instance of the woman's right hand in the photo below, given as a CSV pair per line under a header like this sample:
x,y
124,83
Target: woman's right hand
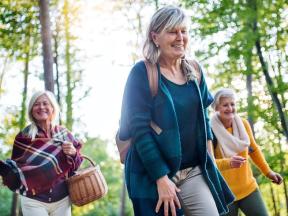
x,y
237,161
68,148
275,177
167,192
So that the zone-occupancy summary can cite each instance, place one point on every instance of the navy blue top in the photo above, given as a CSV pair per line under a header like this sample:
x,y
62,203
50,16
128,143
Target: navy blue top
x,y
187,105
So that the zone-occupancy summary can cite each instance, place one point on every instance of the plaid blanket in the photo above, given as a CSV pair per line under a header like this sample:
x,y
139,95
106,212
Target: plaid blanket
x,y
40,162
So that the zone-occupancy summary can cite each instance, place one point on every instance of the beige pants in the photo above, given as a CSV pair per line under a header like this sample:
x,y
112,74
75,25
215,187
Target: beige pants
x,y
195,195
31,207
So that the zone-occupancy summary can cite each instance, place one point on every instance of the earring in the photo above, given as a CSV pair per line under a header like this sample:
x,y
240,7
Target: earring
x,y
157,45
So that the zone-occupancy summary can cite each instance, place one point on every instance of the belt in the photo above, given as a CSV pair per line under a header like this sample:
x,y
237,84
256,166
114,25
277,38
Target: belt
x,y
182,174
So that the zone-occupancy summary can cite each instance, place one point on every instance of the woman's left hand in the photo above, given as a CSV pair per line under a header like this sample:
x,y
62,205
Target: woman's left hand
x,y
275,177
68,148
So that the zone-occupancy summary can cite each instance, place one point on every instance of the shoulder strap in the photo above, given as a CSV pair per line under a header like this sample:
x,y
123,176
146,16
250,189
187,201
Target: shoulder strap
x,y
196,66
152,74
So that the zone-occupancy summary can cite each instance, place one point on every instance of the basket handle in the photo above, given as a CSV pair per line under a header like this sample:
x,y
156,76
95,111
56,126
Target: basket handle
x,y
89,159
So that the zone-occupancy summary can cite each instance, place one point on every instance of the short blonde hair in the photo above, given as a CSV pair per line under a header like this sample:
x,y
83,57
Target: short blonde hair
x,y
33,128
223,93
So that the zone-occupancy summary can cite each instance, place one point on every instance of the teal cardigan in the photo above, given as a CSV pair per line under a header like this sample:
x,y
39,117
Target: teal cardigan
x,y
153,155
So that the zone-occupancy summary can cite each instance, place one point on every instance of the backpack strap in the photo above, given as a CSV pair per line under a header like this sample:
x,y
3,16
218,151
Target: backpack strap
x,y
152,74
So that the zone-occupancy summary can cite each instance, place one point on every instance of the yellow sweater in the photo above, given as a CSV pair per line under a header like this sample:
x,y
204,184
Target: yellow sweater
x,y
241,180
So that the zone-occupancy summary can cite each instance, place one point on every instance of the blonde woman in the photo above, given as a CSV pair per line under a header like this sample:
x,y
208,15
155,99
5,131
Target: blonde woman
x,y
43,155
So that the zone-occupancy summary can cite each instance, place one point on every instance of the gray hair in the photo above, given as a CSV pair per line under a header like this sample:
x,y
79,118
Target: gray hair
x,y
223,93
33,127
164,19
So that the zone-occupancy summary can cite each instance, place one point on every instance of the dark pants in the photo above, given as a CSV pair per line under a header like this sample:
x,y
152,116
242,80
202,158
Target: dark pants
x,y
252,205
146,207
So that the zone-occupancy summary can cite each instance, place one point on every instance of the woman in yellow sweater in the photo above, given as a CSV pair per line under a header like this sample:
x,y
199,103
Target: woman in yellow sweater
x,y
234,144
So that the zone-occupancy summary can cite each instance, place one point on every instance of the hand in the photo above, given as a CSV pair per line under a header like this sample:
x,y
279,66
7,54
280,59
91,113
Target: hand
x,y
237,161
68,148
275,177
167,195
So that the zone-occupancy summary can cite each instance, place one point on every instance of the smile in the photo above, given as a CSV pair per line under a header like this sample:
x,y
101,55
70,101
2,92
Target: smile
x,y
178,45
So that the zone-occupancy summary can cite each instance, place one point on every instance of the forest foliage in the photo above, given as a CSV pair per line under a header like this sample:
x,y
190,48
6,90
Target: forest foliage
x,y
242,44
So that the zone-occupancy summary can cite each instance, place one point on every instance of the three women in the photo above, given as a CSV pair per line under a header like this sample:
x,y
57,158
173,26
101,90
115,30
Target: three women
x,y
166,169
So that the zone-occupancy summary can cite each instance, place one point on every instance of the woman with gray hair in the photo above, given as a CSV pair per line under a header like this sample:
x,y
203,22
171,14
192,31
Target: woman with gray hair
x,y
44,154
167,167
233,145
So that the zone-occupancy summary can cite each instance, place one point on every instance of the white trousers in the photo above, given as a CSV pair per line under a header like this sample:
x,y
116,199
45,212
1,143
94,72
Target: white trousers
x,y
195,196
31,207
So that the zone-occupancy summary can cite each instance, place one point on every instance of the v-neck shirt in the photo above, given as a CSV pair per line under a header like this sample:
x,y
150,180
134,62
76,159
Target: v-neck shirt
x,y
187,106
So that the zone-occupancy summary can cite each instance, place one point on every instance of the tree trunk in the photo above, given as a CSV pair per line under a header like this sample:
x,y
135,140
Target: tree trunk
x,y
276,213
285,191
69,95
22,121
249,71
15,205
270,85
46,44
282,170
156,4
123,197
250,101
56,45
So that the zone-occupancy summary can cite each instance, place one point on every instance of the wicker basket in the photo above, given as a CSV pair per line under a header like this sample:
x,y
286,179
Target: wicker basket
x,y
87,185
